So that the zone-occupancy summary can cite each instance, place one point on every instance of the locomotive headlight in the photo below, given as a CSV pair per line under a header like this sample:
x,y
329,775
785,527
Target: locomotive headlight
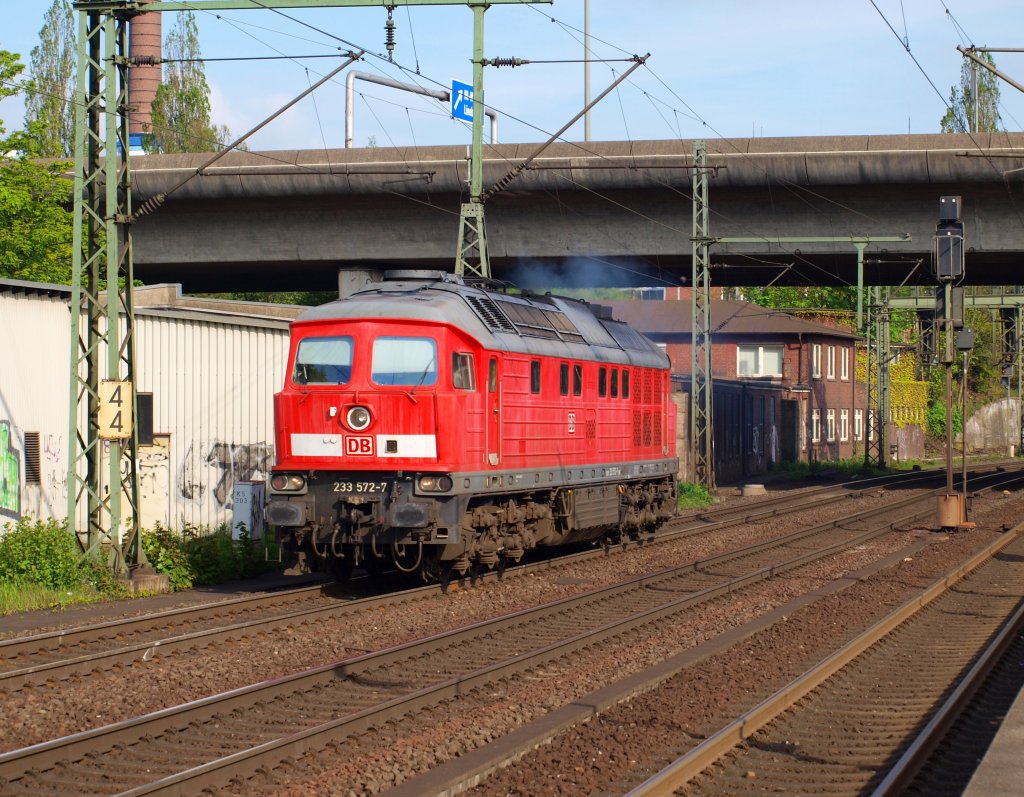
x,y
434,484
287,482
357,418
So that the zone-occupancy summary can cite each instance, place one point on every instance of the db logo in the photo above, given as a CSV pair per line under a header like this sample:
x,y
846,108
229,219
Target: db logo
x,y
359,446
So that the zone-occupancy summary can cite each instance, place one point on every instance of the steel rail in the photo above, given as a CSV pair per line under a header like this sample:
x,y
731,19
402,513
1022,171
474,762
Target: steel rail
x,y
43,756
685,768
146,650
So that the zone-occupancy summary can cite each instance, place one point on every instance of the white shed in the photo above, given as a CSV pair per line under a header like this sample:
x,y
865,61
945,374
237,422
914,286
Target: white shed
x,y
206,373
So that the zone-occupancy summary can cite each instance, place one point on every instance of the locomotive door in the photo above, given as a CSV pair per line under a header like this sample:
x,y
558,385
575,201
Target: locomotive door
x,y
493,413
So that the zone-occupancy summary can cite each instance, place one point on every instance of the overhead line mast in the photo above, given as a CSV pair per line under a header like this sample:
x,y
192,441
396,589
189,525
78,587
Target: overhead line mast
x,y
104,513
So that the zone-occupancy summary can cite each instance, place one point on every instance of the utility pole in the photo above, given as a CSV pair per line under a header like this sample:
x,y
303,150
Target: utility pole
x,y
586,67
948,266
104,512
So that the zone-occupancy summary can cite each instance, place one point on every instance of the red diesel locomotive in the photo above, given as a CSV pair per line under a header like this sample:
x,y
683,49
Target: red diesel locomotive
x,y
440,425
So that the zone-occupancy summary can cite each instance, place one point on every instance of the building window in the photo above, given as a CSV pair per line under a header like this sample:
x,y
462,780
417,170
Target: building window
x,y
830,425
858,424
815,426
816,361
831,362
844,425
535,376
844,364
871,424
758,360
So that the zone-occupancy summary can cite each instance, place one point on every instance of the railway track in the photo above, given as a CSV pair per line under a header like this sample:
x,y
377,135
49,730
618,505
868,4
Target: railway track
x,y
55,656
848,726
210,741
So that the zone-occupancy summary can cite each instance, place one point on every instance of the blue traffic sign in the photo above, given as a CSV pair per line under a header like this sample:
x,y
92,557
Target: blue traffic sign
x,y
462,101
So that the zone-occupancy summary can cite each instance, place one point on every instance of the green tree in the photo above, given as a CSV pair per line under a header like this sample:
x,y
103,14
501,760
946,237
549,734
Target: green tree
x,y
809,298
967,113
35,201
49,111
181,109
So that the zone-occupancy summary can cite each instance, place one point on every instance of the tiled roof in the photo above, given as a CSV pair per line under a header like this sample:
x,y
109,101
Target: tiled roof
x,y
672,318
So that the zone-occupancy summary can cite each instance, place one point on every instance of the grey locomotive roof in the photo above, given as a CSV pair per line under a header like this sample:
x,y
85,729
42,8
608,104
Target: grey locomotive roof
x,y
543,325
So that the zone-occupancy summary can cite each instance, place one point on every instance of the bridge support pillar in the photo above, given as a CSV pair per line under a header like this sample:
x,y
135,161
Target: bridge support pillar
x,y
351,280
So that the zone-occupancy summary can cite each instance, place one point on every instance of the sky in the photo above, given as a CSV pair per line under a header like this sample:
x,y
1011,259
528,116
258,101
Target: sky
x,y
729,68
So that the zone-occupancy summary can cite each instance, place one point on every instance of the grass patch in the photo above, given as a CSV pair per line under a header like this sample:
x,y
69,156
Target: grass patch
x,y
694,496
17,596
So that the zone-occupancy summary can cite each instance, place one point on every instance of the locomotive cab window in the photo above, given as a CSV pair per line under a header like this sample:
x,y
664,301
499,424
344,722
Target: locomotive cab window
x,y
615,382
463,376
625,383
602,381
410,362
563,379
323,361
577,380
535,376
492,376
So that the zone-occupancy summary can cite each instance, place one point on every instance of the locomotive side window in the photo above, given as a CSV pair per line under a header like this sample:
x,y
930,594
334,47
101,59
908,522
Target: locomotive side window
x,y
535,376
463,375
577,379
602,381
615,382
404,361
323,361
492,375
563,379
625,383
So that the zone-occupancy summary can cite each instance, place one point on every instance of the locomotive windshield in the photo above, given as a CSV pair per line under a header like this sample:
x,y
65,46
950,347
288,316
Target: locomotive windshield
x,y
323,361
404,361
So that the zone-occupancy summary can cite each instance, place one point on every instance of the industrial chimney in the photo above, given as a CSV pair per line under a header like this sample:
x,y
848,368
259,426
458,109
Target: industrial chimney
x,y
145,40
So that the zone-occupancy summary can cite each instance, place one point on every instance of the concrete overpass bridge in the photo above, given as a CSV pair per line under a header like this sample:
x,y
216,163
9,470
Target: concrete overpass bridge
x,y
611,213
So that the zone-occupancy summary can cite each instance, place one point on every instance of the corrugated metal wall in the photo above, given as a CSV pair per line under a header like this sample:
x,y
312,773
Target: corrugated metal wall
x,y
33,399
213,415
212,377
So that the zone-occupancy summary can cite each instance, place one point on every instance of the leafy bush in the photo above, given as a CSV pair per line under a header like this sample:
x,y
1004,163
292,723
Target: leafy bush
x,y
937,419
166,552
199,556
44,553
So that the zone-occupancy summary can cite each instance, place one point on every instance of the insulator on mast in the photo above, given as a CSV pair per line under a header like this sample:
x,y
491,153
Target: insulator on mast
x,y
389,36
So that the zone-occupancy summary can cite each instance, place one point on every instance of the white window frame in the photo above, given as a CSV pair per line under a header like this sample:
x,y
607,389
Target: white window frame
x,y
871,424
844,363
844,425
830,425
758,352
831,362
815,361
815,426
858,424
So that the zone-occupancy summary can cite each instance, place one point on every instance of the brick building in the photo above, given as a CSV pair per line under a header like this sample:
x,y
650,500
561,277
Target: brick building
x,y
784,388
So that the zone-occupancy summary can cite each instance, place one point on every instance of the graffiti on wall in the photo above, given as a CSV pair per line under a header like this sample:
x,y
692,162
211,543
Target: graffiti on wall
x,y
10,473
220,467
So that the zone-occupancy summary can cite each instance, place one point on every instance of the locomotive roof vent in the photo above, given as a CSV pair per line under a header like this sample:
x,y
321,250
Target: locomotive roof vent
x,y
418,275
489,312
